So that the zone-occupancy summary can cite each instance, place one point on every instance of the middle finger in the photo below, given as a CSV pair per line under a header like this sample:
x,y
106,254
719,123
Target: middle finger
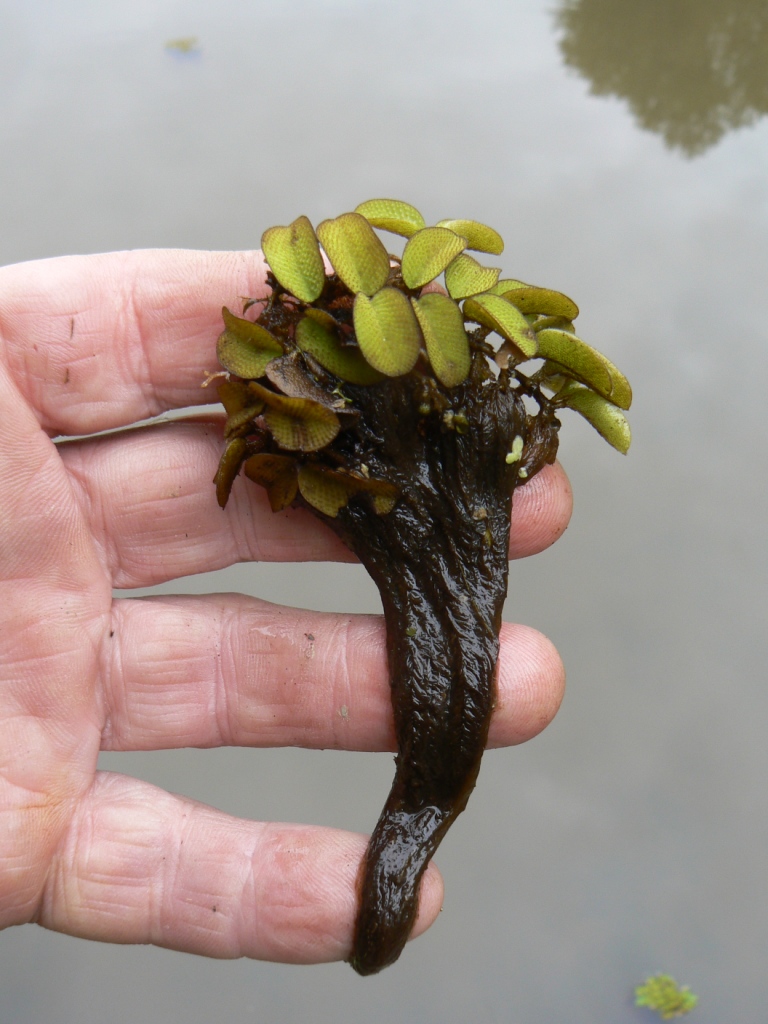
x,y
149,498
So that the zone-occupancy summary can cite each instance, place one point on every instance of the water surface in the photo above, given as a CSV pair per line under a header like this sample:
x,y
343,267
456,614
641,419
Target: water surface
x,y
622,152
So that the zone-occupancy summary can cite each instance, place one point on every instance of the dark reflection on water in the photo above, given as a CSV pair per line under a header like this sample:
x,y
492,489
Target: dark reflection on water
x,y
690,70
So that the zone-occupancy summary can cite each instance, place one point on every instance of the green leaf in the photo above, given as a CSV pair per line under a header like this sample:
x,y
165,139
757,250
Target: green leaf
x,y
504,318
323,317
587,364
392,215
234,395
297,424
428,253
244,418
506,285
277,474
356,252
464,276
446,339
329,490
323,490
558,322
545,301
387,331
607,419
479,236
325,345
294,258
245,348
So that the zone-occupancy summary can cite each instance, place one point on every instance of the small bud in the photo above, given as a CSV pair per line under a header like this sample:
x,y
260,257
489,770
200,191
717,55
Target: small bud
x,y
517,451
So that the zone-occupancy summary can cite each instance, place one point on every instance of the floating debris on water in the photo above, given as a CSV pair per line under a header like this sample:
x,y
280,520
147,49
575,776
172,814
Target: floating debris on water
x,y
186,45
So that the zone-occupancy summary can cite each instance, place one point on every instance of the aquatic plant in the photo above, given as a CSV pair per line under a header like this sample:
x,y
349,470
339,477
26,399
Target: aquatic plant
x,y
662,994
405,419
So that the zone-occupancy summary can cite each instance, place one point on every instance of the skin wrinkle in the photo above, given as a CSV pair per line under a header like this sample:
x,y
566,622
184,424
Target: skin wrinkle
x,y
127,853
131,322
32,383
226,696
94,847
92,509
110,656
253,718
341,690
346,693
170,874
23,892
49,698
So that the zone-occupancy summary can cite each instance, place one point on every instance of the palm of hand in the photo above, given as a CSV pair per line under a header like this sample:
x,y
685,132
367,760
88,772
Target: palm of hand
x,y
92,343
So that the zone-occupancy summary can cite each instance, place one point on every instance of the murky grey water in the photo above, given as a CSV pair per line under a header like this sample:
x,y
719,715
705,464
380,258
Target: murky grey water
x,y
632,836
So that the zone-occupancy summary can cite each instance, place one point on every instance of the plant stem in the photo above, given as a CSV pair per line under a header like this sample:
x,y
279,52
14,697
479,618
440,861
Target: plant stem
x,y
440,562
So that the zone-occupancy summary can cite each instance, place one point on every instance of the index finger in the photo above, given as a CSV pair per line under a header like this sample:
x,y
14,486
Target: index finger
x,y
95,342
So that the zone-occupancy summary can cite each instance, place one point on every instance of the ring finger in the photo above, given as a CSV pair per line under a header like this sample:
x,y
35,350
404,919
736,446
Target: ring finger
x,y
232,670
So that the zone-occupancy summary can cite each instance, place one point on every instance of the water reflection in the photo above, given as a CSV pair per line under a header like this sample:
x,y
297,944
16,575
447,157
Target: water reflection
x,y
691,70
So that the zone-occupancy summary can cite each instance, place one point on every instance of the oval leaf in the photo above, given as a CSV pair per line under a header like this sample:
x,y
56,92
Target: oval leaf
x,y
392,215
322,489
323,317
234,395
607,419
464,276
289,376
356,252
245,348
329,490
298,424
553,376
307,429
383,494
294,258
545,301
559,322
506,285
428,253
347,363
442,325
504,318
587,364
229,467
387,331
239,422
276,473
479,236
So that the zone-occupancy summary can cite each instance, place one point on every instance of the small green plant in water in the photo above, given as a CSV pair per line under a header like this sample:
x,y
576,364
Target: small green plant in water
x,y
405,418
662,994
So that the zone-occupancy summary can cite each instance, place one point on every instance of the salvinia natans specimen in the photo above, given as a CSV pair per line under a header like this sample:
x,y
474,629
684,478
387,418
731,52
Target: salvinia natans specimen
x,y
399,417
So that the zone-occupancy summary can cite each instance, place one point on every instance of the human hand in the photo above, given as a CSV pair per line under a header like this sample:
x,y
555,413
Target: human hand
x,y
98,342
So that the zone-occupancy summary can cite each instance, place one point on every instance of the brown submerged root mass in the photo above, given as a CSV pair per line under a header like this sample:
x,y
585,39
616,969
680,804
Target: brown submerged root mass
x,y
440,561
405,431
